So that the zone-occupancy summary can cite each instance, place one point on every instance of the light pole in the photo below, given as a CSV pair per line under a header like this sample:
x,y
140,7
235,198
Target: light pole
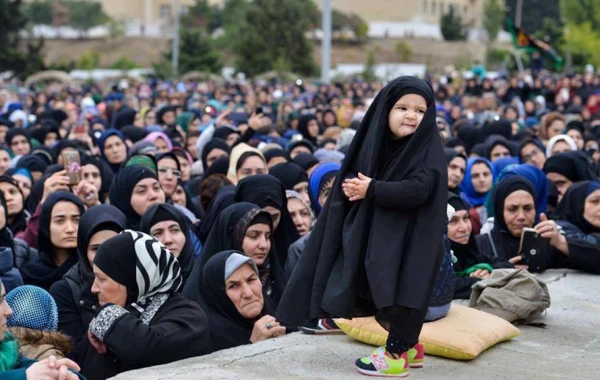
x,y
175,46
326,42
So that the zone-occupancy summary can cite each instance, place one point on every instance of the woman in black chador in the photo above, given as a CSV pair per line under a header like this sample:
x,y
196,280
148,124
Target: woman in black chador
x,y
377,246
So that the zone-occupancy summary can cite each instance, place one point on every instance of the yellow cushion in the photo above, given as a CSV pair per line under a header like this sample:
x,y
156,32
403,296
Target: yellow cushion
x,y
462,335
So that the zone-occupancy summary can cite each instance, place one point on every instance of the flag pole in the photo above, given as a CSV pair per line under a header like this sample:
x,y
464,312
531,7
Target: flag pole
x,y
518,15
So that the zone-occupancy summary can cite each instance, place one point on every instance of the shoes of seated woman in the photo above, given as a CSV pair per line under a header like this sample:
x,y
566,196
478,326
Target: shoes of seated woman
x,y
325,326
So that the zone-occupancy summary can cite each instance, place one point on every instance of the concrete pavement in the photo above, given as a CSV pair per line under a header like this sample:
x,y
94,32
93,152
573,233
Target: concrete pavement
x,y
568,348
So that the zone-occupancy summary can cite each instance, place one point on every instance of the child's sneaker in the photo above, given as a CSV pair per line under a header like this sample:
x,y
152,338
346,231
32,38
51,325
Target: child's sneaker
x,y
416,356
383,364
324,326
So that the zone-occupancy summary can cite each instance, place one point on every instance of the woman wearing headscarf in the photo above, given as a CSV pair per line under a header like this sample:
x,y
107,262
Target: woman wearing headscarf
x,y
268,193
182,197
578,245
502,164
134,189
468,134
213,150
223,199
457,166
13,365
15,202
230,281
560,144
307,161
497,147
478,181
248,229
124,118
276,156
245,161
23,179
308,126
76,303
169,172
352,258
168,225
471,265
57,240
34,323
113,148
18,141
9,274
162,142
565,169
514,209
501,127
35,164
143,320
293,177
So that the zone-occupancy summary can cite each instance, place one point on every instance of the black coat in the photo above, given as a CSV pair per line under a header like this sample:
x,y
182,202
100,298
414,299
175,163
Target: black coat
x,y
387,248
179,330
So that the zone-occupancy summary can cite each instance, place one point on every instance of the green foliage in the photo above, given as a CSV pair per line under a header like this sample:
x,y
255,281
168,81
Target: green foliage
x,y
203,16
65,64
579,12
124,63
116,28
196,52
585,40
404,51
274,30
84,15
38,12
23,58
493,16
452,27
369,71
89,61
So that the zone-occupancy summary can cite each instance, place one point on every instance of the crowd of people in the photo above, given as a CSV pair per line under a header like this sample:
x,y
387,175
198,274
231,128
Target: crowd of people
x,y
197,202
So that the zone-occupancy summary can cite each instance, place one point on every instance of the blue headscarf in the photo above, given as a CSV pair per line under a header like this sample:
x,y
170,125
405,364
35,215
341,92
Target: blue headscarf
x,y
468,193
316,179
33,308
502,163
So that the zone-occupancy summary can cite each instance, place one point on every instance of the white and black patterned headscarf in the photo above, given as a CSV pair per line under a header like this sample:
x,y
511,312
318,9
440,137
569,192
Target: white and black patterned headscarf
x,y
150,274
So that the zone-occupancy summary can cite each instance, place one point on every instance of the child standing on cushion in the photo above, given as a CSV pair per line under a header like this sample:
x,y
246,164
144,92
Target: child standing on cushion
x,y
378,243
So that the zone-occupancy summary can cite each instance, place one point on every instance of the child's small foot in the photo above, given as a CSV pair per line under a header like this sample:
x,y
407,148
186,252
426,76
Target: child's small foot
x,y
416,356
383,364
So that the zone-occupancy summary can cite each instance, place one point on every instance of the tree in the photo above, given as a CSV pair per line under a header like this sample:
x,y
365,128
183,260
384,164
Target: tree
x,y
203,16
274,31
368,73
84,15
533,12
452,27
582,11
38,12
404,51
196,52
23,58
493,16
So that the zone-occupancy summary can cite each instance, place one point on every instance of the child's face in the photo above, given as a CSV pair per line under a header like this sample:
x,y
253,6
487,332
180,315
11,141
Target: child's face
x,y
406,115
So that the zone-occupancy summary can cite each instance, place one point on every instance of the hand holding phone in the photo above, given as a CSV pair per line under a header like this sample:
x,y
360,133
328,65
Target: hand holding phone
x,y
534,250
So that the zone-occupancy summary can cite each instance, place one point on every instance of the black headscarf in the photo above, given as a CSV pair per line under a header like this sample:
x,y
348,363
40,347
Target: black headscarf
x,y
303,127
228,233
134,133
265,190
163,212
501,127
19,222
222,199
228,327
506,244
12,133
224,132
576,166
124,118
6,236
161,113
276,152
451,154
466,254
469,135
33,163
306,160
96,219
220,166
352,252
149,272
121,190
213,144
572,205
289,174
493,141
43,272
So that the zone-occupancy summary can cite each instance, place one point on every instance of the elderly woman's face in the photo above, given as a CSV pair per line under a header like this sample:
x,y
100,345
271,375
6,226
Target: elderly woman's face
x,y
300,215
591,211
244,289
107,289
460,227
519,212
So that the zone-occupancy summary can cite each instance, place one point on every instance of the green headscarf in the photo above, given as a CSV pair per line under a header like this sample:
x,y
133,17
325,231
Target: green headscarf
x,y
184,120
9,353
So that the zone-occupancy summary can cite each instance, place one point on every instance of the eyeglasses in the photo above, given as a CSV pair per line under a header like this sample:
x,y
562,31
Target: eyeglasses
x,y
528,157
175,172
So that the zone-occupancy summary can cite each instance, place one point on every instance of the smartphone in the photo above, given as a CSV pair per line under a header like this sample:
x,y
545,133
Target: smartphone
x,y
259,110
534,250
238,117
72,164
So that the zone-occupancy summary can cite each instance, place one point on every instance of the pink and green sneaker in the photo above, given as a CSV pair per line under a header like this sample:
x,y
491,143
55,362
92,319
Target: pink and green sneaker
x,y
383,364
416,356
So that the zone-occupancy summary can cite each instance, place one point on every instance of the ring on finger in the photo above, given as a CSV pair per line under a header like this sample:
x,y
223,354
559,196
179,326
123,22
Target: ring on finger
x,y
269,325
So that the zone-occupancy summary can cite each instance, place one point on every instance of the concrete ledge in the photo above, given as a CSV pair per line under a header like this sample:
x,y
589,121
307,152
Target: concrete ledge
x,y
569,347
